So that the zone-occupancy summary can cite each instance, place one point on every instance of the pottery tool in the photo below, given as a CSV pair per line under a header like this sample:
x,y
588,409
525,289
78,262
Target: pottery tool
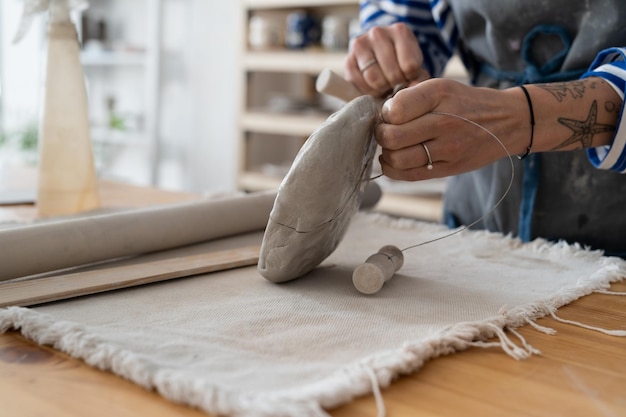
x,y
316,199
333,84
59,287
379,268
71,242
370,276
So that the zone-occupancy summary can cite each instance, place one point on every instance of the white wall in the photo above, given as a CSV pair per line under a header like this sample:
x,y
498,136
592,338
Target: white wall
x,y
216,44
22,65
197,117
199,87
199,96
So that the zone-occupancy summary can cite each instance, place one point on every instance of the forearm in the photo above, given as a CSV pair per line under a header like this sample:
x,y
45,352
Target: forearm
x,y
581,114
567,116
571,115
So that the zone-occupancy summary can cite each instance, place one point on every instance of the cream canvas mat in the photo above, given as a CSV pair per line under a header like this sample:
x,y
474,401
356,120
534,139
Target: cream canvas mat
x,y
233,343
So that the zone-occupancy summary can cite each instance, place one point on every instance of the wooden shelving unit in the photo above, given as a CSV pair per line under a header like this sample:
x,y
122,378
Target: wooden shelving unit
x,y
304,62
260,125
280,124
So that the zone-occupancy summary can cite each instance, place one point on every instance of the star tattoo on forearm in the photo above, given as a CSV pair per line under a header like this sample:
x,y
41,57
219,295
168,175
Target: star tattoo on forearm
x,y
584,130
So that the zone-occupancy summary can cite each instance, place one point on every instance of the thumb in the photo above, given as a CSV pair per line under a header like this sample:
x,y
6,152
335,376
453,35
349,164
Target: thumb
x,y
411,102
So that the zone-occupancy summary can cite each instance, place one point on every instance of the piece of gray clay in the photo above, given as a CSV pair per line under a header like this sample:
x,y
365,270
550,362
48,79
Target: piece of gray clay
x,y
321,192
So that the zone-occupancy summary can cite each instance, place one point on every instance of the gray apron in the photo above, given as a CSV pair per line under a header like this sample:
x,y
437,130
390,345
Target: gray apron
x,y
556,195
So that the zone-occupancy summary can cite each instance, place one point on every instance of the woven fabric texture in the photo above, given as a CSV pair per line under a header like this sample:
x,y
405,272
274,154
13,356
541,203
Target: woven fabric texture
x,y
233,343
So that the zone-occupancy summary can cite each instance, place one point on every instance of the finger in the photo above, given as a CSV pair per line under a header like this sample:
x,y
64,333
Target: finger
x,y
397,55
408,52
359,64
426,154
421,76
415,101
411,174
353,75
401,60
406,158
375,77
388,74
413,132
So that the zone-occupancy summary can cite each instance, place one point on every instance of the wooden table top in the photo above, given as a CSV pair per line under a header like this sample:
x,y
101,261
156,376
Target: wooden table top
x,y
579,373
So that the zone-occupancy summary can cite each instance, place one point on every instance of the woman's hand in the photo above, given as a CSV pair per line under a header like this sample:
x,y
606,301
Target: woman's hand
x,y
383,58
581,113
455,146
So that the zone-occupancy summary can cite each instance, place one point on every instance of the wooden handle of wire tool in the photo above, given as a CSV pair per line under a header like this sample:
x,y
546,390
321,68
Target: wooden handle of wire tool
x,y
370,276
333,84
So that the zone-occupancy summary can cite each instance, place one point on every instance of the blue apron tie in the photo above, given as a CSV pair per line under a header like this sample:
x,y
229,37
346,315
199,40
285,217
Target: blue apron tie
x,y
533,74
530,184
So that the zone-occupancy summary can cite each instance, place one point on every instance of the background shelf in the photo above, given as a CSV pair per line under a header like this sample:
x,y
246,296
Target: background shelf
x,y
281,124
305,61
269,139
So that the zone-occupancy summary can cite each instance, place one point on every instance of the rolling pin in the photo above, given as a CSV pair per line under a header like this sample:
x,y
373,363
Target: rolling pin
x,y
54,245
70,242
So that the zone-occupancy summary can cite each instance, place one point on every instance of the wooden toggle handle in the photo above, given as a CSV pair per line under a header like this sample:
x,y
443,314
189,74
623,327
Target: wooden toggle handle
x,y
369,277
333,84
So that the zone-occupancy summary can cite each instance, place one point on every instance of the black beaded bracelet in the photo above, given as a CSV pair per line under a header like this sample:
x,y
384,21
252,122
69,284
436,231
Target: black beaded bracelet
x,y
532,123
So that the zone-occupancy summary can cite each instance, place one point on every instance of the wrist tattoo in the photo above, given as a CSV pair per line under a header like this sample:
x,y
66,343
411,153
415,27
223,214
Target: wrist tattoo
x,y
560,91
584,130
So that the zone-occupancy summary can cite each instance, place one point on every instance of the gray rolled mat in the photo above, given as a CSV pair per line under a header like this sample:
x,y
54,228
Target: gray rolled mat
x,y
46,247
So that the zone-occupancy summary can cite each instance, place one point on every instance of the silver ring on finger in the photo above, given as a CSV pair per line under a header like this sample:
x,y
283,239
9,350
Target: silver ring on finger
x,y
429,166
368,65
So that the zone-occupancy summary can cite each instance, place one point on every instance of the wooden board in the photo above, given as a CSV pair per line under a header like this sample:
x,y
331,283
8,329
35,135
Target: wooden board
x,y
59,287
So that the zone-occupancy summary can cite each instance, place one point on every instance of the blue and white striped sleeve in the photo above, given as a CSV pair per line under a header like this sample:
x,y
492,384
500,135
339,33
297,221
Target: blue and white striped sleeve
x,y
610,65
430,20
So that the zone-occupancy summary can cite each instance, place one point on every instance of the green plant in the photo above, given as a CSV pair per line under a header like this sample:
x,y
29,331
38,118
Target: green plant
x,y
29,138
4,138
25,139
117,122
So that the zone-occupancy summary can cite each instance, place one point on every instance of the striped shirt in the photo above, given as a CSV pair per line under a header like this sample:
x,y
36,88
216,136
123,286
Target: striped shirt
x,y
433,24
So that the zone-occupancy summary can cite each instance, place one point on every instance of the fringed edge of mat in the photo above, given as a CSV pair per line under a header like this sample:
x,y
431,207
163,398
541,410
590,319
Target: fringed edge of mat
x,y
379,370
356,379
76,341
